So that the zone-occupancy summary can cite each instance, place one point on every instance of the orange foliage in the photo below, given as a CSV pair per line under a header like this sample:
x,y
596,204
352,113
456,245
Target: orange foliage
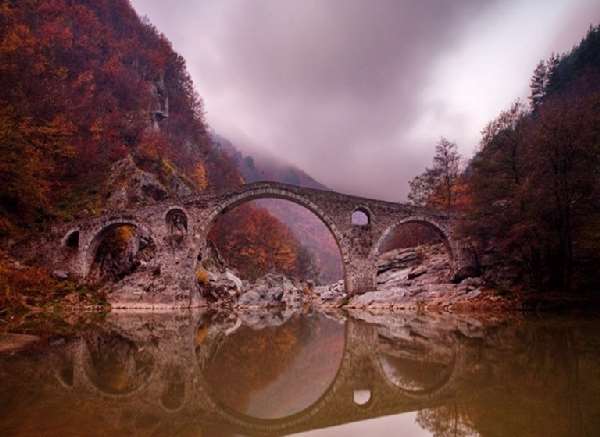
x,y
199,176
255,242
78,80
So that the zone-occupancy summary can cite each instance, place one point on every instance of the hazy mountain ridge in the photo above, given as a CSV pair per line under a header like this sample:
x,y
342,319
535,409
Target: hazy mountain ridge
x,y
255,167
306,227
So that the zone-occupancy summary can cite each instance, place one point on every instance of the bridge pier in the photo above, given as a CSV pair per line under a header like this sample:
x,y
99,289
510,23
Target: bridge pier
x,y
360,275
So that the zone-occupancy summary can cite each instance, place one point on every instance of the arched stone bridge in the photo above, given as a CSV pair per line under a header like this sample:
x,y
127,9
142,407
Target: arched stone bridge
x,y
178,229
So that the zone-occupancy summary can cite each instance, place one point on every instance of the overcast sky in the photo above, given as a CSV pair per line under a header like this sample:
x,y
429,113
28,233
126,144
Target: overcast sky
x,y
357,92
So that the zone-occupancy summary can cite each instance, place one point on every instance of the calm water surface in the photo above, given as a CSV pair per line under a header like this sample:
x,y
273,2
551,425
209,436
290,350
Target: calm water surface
x,y
201,374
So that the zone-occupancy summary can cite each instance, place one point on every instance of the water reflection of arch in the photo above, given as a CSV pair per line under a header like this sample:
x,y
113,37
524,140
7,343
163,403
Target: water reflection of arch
x,y
83,378
439,388
248,423
181,402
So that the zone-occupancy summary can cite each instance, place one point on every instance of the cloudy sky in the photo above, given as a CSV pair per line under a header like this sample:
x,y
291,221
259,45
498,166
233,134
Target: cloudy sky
x,y
357,92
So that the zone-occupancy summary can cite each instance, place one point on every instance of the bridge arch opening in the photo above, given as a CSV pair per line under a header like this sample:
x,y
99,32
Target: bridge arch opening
x,y
71,240
413,250
361,217
176,221
117,250
271,231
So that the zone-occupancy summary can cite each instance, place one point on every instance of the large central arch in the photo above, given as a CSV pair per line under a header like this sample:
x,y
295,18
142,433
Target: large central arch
x,y
257,193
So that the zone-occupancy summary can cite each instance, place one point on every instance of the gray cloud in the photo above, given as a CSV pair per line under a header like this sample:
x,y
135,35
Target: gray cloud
x,y
333,86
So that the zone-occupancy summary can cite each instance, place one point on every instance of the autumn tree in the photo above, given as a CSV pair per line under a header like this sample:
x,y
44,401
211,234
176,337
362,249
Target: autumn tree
x,y
436,187
534,186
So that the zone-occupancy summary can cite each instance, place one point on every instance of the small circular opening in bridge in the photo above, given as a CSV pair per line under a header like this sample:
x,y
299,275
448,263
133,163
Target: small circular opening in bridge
x,y
360,217
361,397
72,240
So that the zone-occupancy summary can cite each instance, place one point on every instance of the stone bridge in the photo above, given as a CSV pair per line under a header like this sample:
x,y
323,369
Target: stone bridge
x,y
177,230
164,359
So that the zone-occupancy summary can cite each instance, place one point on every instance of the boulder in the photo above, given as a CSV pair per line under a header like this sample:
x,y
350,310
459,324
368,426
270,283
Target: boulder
x,y
60,274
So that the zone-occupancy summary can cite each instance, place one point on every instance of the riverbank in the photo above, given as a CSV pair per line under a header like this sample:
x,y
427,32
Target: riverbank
x,y
30,289
412,279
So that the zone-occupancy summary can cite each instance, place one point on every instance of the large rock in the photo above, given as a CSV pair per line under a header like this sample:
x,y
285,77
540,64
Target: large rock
x,y
272,290
128,185
221,287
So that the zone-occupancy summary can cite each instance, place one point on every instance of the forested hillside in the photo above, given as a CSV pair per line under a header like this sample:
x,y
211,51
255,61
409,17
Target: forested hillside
x,y
87,84
531,193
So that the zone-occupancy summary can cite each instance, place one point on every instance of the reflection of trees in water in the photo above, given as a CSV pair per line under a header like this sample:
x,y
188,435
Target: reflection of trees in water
x,y
275,371
448,421
249,360
116,365
533,380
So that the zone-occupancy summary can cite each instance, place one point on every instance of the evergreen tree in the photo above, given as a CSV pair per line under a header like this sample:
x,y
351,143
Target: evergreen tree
x,y
538,84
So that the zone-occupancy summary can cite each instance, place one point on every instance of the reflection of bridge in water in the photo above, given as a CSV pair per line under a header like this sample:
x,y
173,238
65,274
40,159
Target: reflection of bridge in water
x,y
190,374
147,373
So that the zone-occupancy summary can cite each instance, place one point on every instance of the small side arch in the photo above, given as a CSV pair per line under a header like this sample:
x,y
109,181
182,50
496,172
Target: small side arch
x,y
440,228
176,220
71,239
91,247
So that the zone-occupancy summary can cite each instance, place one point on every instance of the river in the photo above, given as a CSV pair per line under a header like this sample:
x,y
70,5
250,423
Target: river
x,y
310,374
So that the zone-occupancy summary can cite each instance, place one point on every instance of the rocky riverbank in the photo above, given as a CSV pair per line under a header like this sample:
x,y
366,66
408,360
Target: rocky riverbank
x,y
408,279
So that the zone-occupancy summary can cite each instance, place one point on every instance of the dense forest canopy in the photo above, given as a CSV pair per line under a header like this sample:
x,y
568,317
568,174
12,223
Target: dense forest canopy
x,y
531,194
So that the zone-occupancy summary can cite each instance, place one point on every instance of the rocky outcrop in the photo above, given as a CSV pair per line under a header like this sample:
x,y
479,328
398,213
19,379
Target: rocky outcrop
x,y
414,279
272,290
220,285
128,185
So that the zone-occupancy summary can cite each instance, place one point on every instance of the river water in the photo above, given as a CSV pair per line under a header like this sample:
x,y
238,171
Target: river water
x,y
311,374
